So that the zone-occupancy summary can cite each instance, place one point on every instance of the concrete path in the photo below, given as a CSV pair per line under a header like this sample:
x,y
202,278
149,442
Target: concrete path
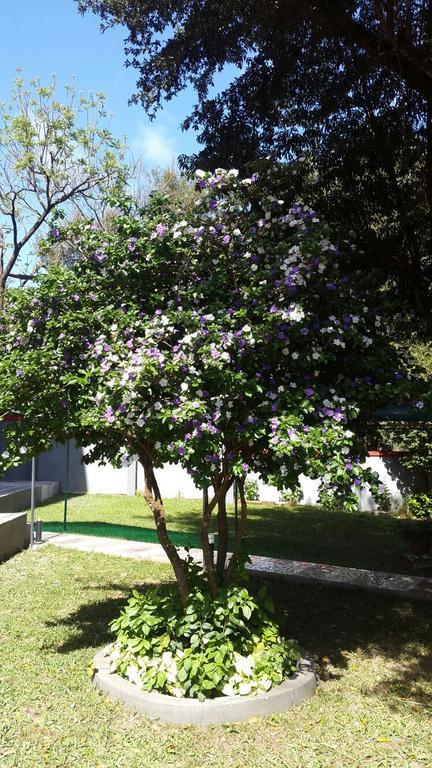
x,y
413,587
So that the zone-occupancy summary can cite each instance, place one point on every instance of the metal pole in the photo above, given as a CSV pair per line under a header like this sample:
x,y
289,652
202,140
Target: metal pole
x,y
235,507
32,500
66,488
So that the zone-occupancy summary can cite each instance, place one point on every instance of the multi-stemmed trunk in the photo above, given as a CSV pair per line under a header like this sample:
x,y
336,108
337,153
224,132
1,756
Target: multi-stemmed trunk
x,y
221,573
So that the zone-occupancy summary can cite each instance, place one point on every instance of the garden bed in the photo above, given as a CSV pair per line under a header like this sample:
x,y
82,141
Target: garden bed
x,y
223,709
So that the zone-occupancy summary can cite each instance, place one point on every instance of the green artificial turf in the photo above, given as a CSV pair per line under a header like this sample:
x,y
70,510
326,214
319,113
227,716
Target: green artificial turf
x,y
301,533
372,708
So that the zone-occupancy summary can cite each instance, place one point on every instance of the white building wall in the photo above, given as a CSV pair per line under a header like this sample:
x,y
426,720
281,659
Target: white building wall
x,y
175,482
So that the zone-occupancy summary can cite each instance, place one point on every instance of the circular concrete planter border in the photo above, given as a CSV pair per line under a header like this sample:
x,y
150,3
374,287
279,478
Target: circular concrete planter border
x,y
223,709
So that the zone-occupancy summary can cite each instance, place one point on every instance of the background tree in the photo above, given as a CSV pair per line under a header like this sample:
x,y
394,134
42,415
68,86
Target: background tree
x,y
344,86
55,157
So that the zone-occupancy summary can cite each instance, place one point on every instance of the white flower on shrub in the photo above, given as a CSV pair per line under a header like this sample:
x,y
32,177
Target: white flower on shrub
x,y
245,689
228,690
265,684
244,664
134,674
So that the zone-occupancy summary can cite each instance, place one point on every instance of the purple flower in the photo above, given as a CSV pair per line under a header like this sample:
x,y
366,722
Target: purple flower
x,y
182,450
161,230
109,414
54,233
226,239
309,391
245,467
99,257
132,244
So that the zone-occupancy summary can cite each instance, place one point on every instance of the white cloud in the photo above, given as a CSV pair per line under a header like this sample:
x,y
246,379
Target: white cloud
x,y
157,145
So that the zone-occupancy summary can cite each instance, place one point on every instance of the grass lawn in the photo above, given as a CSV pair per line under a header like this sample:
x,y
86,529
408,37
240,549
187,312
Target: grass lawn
x,y
372,708
299,533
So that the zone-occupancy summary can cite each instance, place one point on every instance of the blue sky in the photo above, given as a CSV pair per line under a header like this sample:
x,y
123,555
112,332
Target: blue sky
x,y
46,37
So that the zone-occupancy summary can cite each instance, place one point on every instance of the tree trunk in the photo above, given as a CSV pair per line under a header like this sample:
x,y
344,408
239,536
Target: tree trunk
x,y
238,544
222,525
153,498
221,488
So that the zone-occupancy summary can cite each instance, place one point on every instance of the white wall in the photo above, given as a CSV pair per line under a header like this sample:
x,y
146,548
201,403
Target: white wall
x,y
175,482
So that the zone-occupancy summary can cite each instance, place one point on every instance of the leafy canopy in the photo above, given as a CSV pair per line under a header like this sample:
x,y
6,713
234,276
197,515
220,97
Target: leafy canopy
x,y
235,340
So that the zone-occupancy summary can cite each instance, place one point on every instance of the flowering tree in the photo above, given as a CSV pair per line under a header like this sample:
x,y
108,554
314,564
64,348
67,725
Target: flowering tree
x,y
231,342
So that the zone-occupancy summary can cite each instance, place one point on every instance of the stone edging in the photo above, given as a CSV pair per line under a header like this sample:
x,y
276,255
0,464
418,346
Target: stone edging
x,y
223,709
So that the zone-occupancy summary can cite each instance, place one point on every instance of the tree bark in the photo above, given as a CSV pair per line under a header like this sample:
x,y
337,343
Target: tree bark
x,y
222,525
153,498
220,493
238,544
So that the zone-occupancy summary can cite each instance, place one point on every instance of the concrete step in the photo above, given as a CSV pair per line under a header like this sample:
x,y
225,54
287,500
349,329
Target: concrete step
x,y
14,534
15,496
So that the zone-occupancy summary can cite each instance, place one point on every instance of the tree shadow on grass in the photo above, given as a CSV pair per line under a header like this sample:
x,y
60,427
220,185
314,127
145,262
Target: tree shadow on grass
x,y
330,623
334,623
300,533
128,532
89,624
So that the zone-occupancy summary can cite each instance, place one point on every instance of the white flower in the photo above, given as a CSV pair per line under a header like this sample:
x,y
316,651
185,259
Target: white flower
x,y
133,674
245,689
184,386
285,351
228,690
233,173
297,314
265,683
158,406
5,455
163,382
254,267
419,404
244,664
295,355
23,450
200,174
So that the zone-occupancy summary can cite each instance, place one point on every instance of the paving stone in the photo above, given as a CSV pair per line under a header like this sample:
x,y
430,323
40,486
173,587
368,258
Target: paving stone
x,y
413,587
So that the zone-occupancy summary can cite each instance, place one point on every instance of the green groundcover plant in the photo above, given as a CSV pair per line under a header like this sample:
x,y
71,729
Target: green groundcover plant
x,y
228,646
